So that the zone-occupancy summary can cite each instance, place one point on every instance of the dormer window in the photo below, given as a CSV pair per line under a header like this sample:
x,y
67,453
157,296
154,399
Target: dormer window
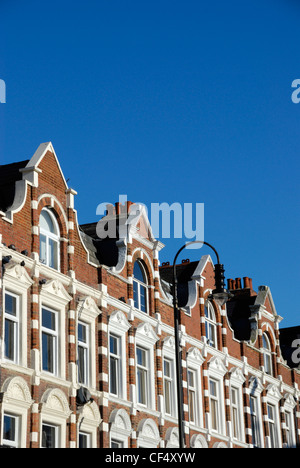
x,y
140,287
49,239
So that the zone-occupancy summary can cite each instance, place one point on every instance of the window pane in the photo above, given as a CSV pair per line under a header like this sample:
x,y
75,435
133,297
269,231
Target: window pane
x,y
48,350
113,375
43,249
53,254
213,388
48,319
10,305
168,396
141,356
167,368
82,335
49,436
113,345
214,415
46,223
138,273
82,365
9,429
143,293
142,386
10,339
84,440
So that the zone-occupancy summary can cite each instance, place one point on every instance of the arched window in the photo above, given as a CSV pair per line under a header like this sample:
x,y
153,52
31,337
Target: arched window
x,y
210,325
49,240
267,354
140,291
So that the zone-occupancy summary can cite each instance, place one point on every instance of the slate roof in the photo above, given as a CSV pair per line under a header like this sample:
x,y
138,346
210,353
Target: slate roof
x,y
101,251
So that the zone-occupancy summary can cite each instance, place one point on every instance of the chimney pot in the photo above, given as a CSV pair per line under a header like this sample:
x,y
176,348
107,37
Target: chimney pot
x,y
246,282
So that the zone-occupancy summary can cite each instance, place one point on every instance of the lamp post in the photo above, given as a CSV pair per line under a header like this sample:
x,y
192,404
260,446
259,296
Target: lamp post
x,y
221,296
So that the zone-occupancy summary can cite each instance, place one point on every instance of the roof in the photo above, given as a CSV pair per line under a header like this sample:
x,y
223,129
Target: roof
x,y
9,175
184,273
101,251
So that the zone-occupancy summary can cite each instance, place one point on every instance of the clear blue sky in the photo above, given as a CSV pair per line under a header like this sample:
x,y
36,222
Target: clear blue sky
x,y
168,101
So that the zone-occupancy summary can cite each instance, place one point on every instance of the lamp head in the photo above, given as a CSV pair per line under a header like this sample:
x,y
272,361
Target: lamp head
x,y
220,295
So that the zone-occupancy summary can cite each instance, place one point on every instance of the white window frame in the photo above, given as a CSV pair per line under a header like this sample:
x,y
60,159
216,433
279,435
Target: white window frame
x,y
289,424
16,321
139,284
168,351
55,338
88,437
211,325
273,425
255,390
86,313
215,400
146,338
237,380
117,358
143,371
56,434
86,349
194,363
118,327
169,387
267,353
236,414
216,372
17,282
54,297
50,236
16,442
272,399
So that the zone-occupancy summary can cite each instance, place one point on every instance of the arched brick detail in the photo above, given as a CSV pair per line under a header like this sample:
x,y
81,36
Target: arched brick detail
x,y
61,218
51,203
268,330
141,257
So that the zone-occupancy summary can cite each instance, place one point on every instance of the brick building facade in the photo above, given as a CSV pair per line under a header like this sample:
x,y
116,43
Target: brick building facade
x,y
87,340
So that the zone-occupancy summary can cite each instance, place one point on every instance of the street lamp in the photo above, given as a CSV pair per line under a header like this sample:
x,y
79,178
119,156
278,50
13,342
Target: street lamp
x,y
220,295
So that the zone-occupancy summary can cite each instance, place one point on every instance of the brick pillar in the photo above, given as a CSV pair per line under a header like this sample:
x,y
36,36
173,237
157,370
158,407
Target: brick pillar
x,y
265,418
202,311
132,383
103,345
160,385
227,403
282,421
72,331
247,415
156,282
33,311
224,329
129,275
185,398
206,408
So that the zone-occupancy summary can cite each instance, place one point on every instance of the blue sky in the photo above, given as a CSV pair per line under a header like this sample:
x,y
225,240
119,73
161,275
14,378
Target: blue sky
x,y
168,101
